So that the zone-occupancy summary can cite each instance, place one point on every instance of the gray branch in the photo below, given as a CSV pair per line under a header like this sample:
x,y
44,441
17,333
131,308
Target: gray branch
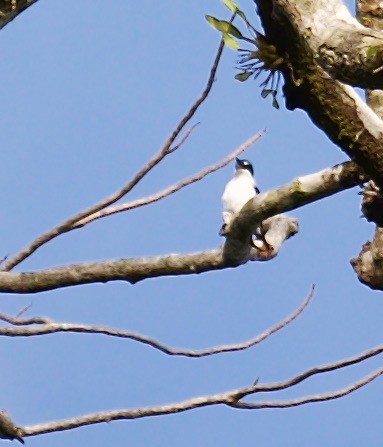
x,y
307,36
230,398
349,51
235,251
43,326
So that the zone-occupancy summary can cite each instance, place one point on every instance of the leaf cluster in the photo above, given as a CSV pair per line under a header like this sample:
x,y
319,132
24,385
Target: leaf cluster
x,y
252,62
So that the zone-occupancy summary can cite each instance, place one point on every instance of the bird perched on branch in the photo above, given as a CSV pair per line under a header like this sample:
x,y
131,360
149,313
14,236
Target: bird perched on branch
x,y
239,190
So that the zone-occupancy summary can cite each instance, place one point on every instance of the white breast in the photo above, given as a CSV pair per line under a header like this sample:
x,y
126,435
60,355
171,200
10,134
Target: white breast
x,y
237,192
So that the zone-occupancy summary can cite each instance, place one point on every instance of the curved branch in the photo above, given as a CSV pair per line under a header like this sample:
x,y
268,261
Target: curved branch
x,y
235,251
278,386
166,149
46,326
230,398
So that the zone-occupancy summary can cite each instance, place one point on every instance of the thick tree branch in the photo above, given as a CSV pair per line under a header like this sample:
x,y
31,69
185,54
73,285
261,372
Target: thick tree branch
x,y
339,43
230,398
236,250
9,9
333,107
45,326
300,192
131,270
277,230
369,264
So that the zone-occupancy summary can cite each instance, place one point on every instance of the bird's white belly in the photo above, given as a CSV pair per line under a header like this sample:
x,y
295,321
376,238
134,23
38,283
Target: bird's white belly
x,y
235,195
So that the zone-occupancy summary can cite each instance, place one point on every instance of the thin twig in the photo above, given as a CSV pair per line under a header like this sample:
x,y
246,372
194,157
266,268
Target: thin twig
x,y
271,387
166,149
22,311
16,321
308,399
47,326
183,139
171,189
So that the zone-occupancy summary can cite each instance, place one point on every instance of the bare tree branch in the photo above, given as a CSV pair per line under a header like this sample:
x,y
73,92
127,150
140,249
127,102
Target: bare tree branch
x,y
236,250
183,139
308,399
171,189
17,321
46,326
310,373
276,231
230,398
300,192
166,149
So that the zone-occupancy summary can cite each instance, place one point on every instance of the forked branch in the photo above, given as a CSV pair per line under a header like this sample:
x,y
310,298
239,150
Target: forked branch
x,y
167,149
171,189
230,398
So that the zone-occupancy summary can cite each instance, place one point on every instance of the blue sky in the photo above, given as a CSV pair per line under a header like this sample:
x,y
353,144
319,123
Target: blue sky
x,y
88,96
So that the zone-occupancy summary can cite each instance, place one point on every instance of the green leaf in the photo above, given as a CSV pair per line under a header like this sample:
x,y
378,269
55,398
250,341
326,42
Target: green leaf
x,y
266,92
371,52
233,30
230,42
215,23
231,5
242,15
243,76
275,103
224,26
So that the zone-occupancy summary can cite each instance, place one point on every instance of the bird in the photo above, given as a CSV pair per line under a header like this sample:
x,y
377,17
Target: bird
x,y
238,191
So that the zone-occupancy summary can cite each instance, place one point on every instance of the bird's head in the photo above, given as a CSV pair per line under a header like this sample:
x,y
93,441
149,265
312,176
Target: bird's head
x,y
244,164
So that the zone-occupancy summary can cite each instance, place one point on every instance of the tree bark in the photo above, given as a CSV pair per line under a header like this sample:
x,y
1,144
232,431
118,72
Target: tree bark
x,y
369,264
9,9
236,250
309,37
